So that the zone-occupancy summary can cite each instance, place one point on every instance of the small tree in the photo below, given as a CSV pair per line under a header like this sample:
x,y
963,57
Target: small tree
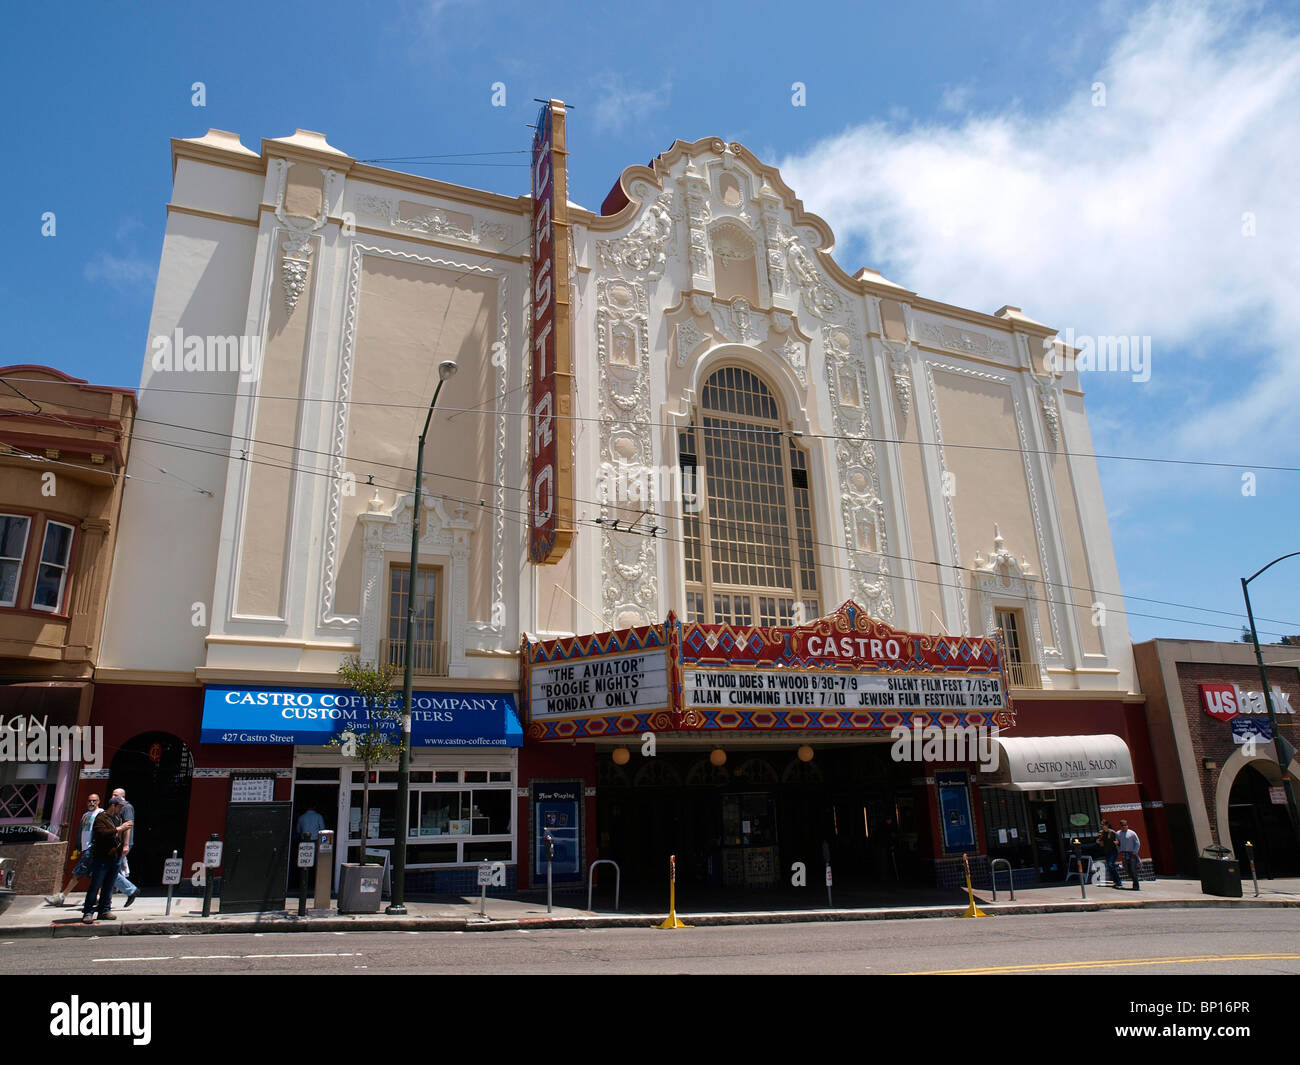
x,y
374,743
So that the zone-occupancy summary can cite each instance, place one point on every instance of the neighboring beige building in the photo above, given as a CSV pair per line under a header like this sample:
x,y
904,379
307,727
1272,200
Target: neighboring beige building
x,y
929,465
63,452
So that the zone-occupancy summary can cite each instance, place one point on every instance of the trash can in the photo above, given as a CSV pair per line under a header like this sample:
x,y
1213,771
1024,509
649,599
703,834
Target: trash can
x,y
1220,873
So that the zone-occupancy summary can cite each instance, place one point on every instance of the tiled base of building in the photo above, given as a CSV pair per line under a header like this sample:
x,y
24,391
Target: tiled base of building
x,y
453,882
39,866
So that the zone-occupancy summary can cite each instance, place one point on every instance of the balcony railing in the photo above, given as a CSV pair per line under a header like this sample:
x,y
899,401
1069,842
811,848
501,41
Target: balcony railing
x,y
1024,675
428,657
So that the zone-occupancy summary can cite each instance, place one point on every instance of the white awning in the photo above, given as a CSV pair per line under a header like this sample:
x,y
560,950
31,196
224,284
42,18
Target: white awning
x,y
1050,763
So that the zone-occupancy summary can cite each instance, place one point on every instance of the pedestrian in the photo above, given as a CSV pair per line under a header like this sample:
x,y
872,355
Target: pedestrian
x,y
310,822
1108,841
1128,850
122,884
106,835
82,868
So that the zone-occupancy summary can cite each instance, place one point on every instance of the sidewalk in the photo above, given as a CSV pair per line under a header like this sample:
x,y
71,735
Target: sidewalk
x,y
29,917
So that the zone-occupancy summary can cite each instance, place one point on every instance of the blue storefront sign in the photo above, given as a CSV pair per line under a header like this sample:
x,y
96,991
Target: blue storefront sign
x,y
314,716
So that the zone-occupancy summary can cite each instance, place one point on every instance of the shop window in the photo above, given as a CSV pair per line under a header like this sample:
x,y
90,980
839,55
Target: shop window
x,y
52,573
748,543
428,650
13,549
1006,827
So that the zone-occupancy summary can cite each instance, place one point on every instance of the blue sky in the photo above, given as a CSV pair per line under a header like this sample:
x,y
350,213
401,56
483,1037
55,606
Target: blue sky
x,y
962,149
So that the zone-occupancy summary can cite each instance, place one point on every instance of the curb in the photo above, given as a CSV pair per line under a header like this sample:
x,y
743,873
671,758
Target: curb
x,y
286,924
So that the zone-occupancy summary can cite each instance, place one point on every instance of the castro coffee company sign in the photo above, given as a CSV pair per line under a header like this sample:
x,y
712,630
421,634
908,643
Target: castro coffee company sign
x,y
550,499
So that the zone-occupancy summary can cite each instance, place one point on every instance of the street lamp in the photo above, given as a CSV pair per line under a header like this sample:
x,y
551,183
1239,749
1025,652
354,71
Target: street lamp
x,y
1268,698
397,901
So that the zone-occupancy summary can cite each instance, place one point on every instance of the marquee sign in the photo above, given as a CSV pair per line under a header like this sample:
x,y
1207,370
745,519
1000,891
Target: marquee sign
x,y
843,672
609,683
551,496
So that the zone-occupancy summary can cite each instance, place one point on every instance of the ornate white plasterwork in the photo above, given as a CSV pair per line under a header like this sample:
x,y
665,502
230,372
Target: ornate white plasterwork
x,y
698,215
1030,481
629,562
900,370
1049,391
818,296
329,618
1002,580
434,222
644,250
866,532
735,320
443,538
966,341
688,339
296,251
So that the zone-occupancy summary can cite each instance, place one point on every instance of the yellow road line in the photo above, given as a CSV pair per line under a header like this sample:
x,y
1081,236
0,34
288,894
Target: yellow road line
x,y
1115,963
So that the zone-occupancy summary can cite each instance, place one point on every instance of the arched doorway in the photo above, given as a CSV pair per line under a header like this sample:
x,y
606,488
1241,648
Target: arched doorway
x,y
155,768
1253,816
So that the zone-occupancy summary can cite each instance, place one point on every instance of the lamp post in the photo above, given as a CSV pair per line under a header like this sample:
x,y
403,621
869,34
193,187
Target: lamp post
x,y
1268,699
397,900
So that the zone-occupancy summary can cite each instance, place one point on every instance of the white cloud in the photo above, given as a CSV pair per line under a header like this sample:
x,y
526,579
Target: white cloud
x,y
1124,219
617,104
126,272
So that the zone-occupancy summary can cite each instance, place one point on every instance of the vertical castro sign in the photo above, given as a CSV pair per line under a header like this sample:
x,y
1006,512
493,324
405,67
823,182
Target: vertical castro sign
x,y
550,500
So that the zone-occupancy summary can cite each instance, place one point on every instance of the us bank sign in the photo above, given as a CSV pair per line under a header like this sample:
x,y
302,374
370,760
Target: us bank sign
x,y
844,672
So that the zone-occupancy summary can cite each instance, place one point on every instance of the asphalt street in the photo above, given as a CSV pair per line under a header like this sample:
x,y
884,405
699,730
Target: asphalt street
x,y
1193,941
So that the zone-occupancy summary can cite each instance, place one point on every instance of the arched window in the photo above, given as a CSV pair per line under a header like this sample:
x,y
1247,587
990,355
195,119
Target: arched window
x,y
747,521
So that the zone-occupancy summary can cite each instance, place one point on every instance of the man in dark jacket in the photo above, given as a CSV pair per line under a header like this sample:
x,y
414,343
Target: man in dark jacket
x,y
105,856
1109,844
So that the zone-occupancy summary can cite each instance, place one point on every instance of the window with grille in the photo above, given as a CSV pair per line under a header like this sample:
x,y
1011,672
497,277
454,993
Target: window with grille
x,y
1021,672
748,536
428,654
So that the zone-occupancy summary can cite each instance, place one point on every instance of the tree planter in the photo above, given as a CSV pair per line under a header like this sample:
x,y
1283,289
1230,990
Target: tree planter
x,y
360,887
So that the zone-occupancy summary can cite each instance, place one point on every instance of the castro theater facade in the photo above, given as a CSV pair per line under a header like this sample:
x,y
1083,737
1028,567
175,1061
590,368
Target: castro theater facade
x,y
757,436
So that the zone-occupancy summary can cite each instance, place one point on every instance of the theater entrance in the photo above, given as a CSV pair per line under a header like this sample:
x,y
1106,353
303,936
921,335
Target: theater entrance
x,y
743,824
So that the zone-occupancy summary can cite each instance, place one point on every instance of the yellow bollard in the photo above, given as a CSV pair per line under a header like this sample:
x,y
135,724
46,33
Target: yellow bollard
x,y
972,910
671,920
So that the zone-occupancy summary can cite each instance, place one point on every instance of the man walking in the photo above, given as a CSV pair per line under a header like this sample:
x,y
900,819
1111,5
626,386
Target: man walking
x,y
1128,851
122,884
82,868
106,853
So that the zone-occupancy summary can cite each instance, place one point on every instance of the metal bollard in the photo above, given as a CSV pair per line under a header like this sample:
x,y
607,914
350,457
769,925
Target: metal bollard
x,y
1250,857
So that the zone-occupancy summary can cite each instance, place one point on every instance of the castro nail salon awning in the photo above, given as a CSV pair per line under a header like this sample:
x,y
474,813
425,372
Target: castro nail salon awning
x,y
1051,763
314,716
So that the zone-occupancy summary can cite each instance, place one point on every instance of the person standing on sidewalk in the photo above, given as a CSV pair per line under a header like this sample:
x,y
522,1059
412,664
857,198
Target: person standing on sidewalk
x,y
1109,844
1128,850
106,854
122,884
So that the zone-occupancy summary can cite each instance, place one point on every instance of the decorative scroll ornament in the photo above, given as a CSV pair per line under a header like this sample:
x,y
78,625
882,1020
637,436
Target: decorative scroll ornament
x,y
1048,401
645,249
1001,580
688,339
900,369
295,260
